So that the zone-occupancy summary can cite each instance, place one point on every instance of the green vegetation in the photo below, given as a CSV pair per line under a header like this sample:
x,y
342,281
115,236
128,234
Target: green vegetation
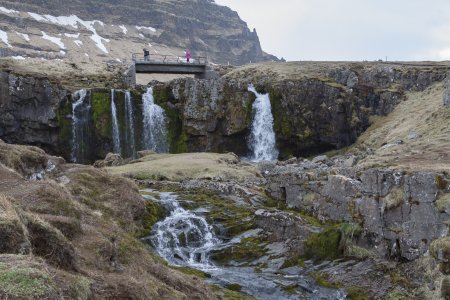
x,y
190,271
324,281
356,293
248,250
154,212
101,113
324,245
228,294
27,282
294,261
441,183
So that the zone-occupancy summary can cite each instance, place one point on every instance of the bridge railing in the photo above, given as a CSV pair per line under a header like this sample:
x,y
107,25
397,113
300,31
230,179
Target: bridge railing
x,y
168,59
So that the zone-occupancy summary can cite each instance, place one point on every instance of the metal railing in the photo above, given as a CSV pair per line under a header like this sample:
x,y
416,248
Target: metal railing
x,y
169,59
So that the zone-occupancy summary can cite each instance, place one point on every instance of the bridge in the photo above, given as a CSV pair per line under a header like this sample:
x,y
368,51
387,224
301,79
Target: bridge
x,y
169,64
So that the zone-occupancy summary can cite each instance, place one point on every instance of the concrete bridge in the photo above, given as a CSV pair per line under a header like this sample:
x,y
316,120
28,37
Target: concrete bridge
x,y
169,64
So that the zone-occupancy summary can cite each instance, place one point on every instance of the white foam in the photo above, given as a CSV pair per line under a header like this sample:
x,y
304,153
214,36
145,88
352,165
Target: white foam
x,y
26,37
4,38
72,35
78,42
8,11
124,29
54,40
147,28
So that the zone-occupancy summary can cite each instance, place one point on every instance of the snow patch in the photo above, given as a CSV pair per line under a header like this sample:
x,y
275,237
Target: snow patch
x,y
87,55
118,60
54,40
8,11
4,38
37,17
62,52
78,42
124,29
73,21
18,57
72,35
141,35
147,28
25,36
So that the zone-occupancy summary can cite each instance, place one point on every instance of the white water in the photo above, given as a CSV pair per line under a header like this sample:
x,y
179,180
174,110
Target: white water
x,y
115,125
80,119
155,132
262,137
183,238
129,121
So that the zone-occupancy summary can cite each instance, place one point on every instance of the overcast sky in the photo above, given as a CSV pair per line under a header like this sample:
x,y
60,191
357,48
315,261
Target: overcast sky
x,y
349,29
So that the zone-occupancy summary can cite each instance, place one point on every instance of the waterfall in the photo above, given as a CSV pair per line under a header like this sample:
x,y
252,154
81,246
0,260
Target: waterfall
x,y
80,126
129,122
182,238
155,132
262,136
115,125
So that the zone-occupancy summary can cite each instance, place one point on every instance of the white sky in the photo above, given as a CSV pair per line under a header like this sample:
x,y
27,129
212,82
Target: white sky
x,y
349,29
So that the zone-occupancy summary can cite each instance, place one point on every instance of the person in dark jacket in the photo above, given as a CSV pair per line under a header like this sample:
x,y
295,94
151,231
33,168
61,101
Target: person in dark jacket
x,y
146,55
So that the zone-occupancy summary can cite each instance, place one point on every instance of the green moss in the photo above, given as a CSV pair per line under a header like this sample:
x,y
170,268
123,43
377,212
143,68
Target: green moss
x,y
324,281
247,251
227,294
234,287
25,282
101,113
154,212
324,245
356,293
190,271
290,289
293,261
441,183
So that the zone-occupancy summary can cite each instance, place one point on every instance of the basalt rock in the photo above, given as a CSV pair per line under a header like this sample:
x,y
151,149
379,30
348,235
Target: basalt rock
x,y
396,210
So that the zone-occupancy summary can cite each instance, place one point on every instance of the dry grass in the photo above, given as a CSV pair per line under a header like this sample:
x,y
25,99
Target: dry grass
x,y
178,167
422,113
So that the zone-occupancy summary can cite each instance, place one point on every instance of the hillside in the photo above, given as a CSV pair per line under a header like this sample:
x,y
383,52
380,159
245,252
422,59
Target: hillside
x,y
97,31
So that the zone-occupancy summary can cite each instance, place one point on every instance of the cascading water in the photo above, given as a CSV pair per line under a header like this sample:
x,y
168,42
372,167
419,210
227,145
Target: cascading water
x,y
183,238
80,126
155,132
129,122
115,125
262,137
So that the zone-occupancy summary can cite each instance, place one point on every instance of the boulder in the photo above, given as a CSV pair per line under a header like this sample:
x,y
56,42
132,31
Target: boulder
x,y
111,160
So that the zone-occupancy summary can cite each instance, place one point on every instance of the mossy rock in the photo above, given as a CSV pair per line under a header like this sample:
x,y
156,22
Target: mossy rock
x,y
101,113
154,212
324,245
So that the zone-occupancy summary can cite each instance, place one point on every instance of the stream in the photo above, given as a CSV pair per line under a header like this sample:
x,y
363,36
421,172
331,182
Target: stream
x,y
184,238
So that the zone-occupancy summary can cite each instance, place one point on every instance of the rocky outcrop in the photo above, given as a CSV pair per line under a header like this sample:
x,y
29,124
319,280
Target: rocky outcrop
x,y
399,212
446,96
28,110
313,113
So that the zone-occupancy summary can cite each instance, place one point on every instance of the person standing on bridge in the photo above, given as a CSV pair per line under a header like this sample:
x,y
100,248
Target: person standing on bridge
x,y
146,55
188,55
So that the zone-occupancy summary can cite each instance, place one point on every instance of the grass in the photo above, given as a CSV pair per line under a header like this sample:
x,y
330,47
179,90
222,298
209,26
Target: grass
x,y
27,282
178,167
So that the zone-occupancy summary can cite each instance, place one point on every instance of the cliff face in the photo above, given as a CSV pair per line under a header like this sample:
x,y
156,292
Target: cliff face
x,y
28,108
164,26
312,113
323,109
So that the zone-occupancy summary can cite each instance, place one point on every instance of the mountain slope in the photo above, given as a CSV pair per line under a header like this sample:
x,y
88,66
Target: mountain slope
x,y
39,29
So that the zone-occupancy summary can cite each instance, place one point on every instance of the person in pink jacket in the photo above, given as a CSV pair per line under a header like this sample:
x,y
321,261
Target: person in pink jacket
x,y
188,55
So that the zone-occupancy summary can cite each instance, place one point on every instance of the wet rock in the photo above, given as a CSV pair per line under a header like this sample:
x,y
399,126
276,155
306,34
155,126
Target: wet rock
x,y
446,96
